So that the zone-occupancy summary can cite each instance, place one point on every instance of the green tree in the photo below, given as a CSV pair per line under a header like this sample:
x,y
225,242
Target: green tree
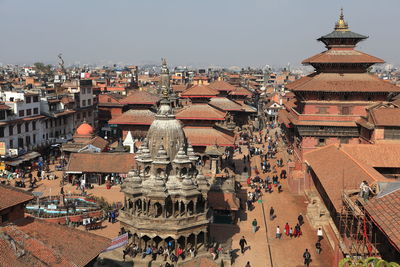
x,y
368,262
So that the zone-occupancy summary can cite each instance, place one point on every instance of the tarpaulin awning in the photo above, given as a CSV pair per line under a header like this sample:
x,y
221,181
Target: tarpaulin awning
x,y
26,157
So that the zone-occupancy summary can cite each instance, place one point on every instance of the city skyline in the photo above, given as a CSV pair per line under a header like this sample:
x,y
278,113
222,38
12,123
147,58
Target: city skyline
x,y
222,34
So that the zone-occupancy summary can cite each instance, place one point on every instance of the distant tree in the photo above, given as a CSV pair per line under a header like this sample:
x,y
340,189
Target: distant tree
x,y
41,67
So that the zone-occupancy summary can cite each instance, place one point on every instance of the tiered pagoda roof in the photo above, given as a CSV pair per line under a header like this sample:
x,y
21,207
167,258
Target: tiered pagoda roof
x,y
200,91
135,117
222,86
201,112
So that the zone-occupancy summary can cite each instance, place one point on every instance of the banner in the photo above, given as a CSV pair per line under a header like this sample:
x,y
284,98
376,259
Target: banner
x,y
117,242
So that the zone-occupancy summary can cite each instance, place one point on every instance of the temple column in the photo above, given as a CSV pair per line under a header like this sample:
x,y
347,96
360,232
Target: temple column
x,y
195,207
185,244
179,208
195,242
173,209
164,212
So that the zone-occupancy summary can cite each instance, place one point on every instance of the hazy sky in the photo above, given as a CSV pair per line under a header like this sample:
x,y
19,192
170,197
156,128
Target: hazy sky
x,y
187,32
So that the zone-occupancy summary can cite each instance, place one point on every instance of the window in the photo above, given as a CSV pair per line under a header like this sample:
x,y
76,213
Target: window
x,y
1,131
28,140
2,115
21,113
321,141
65,120
34,139
51,124
36,111
83,103
33,125
47,124
36,99
84,115
19,128
27,127
89,102
345,111
322,110
11,143
10,130
28,99
83,91
89,113
89,90
28,112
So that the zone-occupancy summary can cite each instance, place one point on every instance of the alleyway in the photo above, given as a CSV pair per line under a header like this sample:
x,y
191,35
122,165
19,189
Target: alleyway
x,y
264,248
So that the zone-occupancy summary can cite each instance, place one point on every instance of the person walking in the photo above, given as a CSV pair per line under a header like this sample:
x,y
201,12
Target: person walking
x,y
318,247
300,219
307,258
278,232
271,213
242,243
254,225
291,232
287,229
320,234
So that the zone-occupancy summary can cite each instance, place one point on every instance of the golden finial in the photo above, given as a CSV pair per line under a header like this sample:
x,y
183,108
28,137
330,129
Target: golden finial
x,y
341,25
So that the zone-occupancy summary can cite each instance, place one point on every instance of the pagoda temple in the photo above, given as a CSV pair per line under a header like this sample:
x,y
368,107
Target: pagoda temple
x,y
329,101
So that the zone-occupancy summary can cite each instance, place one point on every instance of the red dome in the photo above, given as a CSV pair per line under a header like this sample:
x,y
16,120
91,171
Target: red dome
x,y
84,129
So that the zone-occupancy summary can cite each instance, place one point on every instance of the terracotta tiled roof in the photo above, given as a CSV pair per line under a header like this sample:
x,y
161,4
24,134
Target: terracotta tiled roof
x,y
245,107
375,155
222,86
342,56
201,112
4,106
10,196
101,162
385,212
179,87
200,91
241,91
207,136
135,117
337,170
141,98
223,201
49,244
346,82
99,142
226,104
386,116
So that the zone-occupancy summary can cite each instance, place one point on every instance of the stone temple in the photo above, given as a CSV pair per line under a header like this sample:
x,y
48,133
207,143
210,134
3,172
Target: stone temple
x,y
166,195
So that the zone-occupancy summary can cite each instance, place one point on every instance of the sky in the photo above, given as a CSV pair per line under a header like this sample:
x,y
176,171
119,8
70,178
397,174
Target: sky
x,y
187,32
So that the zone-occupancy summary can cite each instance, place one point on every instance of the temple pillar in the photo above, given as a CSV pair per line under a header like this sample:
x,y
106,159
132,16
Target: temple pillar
x,y
164,211
185,244
173,209
179,208
195,242
195,207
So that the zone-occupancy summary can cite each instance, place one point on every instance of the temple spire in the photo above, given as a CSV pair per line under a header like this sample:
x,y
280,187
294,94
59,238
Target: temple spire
x,y
341,25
